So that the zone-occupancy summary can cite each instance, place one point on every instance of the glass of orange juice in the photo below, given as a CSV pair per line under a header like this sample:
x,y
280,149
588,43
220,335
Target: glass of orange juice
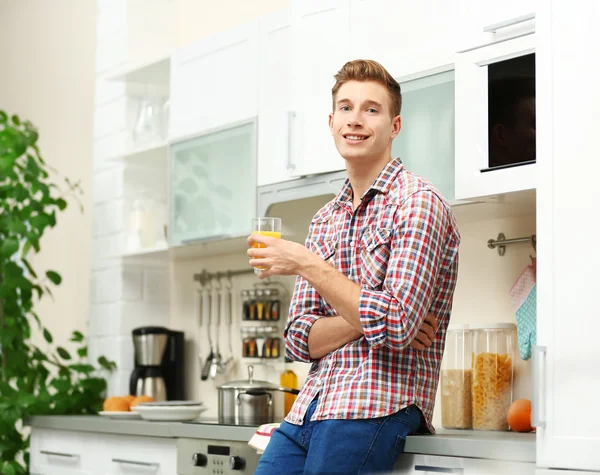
x,y
266,227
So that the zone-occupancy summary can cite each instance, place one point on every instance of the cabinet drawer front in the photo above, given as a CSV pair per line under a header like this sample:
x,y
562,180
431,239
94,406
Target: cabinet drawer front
x,y
58,451
129,455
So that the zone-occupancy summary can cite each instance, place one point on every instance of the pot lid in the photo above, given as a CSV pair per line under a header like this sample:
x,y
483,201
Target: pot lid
x,y
249,383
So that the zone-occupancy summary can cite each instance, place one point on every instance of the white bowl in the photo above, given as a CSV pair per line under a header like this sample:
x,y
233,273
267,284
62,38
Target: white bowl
x,y
169,413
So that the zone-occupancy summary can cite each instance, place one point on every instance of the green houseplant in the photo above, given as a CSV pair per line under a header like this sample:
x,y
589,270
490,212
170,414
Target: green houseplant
x,y
33,380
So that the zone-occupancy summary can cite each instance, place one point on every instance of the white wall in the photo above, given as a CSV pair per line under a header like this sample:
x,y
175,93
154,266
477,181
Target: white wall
x,y
47,76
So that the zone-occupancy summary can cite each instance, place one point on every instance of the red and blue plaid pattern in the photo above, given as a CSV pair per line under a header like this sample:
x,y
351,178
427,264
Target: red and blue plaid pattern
x,y
401,246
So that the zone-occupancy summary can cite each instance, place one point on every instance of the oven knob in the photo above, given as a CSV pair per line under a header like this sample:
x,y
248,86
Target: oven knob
x,y
199,460
236,463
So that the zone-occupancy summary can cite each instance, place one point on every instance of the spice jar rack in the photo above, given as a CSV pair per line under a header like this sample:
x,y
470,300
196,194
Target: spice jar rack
x,y
262,323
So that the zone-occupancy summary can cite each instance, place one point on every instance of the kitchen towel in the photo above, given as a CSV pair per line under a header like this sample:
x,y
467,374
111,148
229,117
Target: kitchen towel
x,y
523,300
262,436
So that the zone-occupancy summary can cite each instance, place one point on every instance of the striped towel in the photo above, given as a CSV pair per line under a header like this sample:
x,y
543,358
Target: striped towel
x,y
262,436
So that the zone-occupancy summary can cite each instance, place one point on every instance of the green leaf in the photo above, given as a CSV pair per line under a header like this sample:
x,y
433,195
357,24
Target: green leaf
x,y
9,247
82,368
54,277
77,336
17,227
62,204
47,336
7,162
16,120
40,222
108,365
3,117
64,354
9,470
61,384
82,352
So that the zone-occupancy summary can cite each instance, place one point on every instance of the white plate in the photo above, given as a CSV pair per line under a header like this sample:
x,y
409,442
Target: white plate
x,y
169,413
171,403
120,414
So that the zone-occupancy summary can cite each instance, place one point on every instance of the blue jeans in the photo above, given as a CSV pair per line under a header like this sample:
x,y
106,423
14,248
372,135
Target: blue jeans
x,y
338,446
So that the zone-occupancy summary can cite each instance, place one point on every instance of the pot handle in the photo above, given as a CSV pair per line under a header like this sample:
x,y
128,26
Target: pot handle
x,y
254,393
289,390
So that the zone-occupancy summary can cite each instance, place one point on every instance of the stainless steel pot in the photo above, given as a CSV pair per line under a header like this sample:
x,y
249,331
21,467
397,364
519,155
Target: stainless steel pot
x,y
248,402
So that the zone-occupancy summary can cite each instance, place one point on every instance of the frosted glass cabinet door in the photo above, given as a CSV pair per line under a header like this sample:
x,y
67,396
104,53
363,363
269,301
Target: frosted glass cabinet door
x,y
426,140
213,185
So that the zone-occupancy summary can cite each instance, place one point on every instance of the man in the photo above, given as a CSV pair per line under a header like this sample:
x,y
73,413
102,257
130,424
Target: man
x,y
511,122
378,258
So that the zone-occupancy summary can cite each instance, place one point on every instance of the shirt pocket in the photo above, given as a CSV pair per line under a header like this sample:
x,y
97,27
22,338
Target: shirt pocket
x,y
324,249
374,256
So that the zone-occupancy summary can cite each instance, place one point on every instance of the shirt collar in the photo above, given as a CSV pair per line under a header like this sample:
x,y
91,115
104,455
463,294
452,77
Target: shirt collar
x,y
382,183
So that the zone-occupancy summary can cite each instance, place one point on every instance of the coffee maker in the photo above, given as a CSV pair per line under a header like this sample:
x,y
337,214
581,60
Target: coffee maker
x,y
158,370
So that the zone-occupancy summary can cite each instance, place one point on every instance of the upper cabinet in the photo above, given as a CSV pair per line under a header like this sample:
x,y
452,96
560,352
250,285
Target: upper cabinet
x,y
320,47
276,162
403,35
426,141
214,82
480,23
495,118
213,185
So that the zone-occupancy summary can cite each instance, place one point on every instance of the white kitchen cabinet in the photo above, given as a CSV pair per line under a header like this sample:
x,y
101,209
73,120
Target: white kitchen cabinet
x,y
474,175
320,47
419,464
426,140
566,374
276,118
60,452
212,185
132,455
406,37
214,82
479,23
64,452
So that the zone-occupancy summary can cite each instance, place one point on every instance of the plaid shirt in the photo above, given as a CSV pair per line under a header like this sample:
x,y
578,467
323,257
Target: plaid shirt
x,y
401,247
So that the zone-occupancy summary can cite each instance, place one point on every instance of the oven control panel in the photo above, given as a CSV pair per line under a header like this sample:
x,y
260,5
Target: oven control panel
x,y
220,457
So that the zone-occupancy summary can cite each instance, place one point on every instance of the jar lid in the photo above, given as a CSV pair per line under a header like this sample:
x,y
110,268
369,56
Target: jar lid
x,y
494,326
453,327
249,383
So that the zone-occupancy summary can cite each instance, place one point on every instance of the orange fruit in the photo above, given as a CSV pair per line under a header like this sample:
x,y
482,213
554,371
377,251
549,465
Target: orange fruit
x,y
139,399
129,398
115,404
519,416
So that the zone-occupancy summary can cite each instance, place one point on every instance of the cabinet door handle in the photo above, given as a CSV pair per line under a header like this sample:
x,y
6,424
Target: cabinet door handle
x,y
427,468
505,24
539,384
291,115
135,462
59,454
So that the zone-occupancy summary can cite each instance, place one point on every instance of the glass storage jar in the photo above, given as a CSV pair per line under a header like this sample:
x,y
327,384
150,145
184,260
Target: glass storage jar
x,y
456,378
493,368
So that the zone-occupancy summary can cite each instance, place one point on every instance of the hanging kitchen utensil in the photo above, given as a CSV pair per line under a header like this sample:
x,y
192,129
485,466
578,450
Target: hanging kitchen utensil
x,y
199,301
216,364
208,363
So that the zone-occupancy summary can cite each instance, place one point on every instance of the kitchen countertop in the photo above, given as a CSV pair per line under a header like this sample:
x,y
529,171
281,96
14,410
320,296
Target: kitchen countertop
x,y
509,446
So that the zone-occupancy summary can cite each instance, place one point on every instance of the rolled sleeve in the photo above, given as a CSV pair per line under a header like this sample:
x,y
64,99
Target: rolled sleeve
x,y
392,316
296,338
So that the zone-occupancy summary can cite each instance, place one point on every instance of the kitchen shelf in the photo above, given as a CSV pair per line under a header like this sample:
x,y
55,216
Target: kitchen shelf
x,y
156,73
154,152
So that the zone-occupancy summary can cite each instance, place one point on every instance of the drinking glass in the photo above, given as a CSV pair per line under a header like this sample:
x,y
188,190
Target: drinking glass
x,y
266,227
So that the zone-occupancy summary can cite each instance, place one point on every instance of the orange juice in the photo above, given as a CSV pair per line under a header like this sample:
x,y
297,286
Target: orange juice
x,y
256,245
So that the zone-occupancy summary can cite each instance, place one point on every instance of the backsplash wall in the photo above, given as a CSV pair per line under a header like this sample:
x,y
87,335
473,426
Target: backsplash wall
x,y
481,294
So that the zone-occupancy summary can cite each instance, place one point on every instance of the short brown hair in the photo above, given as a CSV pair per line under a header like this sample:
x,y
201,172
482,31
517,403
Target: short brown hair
x,y
369,70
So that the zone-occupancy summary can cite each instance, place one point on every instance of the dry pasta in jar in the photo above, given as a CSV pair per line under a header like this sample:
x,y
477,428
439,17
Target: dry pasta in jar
x,y
492,378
